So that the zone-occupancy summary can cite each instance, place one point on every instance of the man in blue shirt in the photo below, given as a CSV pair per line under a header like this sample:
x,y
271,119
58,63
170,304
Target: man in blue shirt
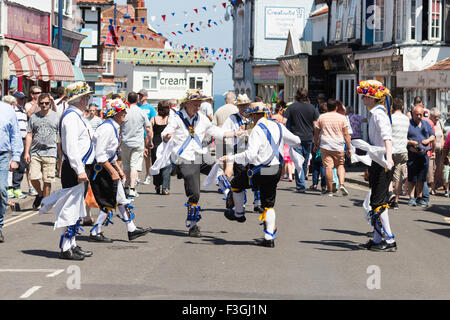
x,y
151,112
11,148
420,137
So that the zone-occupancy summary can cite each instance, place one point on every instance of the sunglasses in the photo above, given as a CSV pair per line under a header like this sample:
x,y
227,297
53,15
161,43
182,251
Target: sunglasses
x,y
44,103
38,92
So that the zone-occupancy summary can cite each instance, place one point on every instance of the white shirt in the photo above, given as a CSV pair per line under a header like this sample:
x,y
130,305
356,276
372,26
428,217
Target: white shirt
x,y
400,126
206,108
75,139
180,134
61,107
379,126
106,141
232,124
259,150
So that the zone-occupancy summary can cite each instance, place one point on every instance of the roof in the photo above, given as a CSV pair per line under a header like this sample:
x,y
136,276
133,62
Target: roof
x,y
319,12
442,65
162,57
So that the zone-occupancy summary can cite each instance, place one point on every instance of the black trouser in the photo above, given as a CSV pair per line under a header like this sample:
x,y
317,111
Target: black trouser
x,y
69,177
379,181
190,172
240,177
17,176
266,181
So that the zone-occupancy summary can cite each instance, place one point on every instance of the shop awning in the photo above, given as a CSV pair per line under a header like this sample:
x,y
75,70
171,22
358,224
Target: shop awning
x,y
22,60
53,64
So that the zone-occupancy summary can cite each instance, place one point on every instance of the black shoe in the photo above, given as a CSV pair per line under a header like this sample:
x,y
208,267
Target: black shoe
x,y
80,251
139,232
37,202
229,214
394,205
258,209
366,245
266,243
158,190
384,246
195,232
99,238
70,255
301,191
2,239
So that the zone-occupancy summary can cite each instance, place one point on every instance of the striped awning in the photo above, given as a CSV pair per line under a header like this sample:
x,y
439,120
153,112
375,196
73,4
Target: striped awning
x,y
53,64
22,60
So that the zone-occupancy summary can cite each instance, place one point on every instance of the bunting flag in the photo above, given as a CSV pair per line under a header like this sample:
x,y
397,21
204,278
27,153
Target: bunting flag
x,y
196,11
164,17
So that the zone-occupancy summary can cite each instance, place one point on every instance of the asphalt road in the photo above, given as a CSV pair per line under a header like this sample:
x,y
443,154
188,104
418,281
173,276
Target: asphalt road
x,y
315,255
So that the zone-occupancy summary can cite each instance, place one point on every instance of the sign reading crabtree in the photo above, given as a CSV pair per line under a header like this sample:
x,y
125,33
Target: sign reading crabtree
x,y
279,20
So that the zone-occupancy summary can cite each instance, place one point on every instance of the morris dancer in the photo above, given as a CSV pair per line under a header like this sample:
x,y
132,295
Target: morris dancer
x,y
106,175
238,171
376,100
187,128
265,158
78,153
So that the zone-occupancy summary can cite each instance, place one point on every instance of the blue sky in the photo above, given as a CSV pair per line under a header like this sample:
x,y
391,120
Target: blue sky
x,y
220,36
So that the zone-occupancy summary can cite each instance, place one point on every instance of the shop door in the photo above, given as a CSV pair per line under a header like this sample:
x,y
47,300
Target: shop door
x,y
346,90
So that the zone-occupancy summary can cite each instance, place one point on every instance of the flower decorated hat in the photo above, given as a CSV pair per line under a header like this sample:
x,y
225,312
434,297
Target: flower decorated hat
x,y
193,95
77,90
113,107
257,107
375,89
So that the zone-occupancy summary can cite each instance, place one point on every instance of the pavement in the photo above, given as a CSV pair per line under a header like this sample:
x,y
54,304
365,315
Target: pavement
x,y
316,254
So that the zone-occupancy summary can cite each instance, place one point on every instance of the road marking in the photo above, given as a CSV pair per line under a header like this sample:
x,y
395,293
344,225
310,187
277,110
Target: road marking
x,y
355,186
21,217
51,272
30,292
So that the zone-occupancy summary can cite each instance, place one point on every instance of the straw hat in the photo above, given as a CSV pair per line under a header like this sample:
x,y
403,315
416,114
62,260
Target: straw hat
x,y
77,90
193,95
243,99
257,107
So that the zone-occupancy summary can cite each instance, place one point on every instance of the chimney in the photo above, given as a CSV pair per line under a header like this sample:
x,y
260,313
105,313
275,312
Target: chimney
x,y
140,11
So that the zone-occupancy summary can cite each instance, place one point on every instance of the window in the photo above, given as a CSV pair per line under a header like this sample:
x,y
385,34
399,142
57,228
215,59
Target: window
x,y
379,21
91,21
108,62
340,11
150,82
413,19
435,20
399,20
67,7
351,20
196,83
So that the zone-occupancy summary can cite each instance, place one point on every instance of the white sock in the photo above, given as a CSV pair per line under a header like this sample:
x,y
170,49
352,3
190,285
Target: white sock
x,y
73,243
100,219
66,243
238,198
130,224
270,224
387,227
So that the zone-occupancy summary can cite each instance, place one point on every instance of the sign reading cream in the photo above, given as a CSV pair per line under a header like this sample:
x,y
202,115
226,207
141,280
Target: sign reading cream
x,y
278,21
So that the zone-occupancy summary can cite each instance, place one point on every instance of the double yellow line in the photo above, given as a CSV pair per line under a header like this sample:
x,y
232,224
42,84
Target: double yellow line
x,y
23,216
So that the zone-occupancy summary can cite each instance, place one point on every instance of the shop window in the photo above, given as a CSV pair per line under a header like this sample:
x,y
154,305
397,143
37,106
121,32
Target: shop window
x,y
435,20
340,11
150,82
196,83
379,21
108,62
413,20
350,33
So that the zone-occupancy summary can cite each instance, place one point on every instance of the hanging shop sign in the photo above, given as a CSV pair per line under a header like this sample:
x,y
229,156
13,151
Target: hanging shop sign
x,y
279,20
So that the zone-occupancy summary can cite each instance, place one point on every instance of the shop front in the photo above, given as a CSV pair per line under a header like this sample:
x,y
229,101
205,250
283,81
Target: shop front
x,y
269,82
30,59
432,84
